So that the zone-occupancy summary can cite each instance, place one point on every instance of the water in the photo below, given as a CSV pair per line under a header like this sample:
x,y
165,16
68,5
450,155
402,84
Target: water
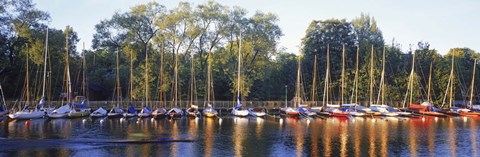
x,y
424,136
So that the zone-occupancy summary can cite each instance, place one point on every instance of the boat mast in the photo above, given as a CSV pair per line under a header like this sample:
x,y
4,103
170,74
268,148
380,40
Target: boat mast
x,y
472,86
3,98
146,77
84,75
45,65
117,81
343,74
452,82
131,77
371,76
411,78
239,64
429,82
208,80
297,98
175,71
381,92
27,77
314,83
161,77
69,83
192,81
325,88
356,76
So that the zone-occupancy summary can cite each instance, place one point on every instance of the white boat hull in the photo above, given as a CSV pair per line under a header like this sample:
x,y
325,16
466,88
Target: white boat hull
x,y
356,114
240,113
389,114
100,112
129,115
57,115
257,114
27,115
144,115
404,113
97,115
114,114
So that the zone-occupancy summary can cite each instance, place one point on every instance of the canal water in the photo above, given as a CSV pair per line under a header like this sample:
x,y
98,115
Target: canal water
x,y
232,136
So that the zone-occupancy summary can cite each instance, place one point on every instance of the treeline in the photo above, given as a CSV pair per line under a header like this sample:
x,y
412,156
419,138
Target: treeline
x,y
210,33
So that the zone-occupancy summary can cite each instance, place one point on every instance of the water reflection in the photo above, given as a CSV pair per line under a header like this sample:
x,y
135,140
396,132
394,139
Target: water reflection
x,y
371,137
424,136
209,136
299,139
473,136
452,135
239,128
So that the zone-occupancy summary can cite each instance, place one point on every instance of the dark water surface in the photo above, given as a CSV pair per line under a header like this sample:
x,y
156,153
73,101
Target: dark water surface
x,y
270,136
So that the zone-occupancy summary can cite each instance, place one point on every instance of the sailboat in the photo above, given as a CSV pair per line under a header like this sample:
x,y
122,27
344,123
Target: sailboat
x,y
209,111
63,111
350,108
302,108
39,111
455,110
175,111
131,112
161,111
290,111
146,111
354,97
81,110
116,111
100,112
332,109
3,106
470,111
257,111
381,108
315,108
193,110
238,110
424,108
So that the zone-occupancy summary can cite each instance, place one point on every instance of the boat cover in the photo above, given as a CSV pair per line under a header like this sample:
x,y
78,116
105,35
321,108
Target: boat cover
x,y
100,110
131,109
146,110
82,104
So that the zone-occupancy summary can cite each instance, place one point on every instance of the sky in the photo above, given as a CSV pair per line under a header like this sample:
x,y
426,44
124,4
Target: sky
x,y
443,24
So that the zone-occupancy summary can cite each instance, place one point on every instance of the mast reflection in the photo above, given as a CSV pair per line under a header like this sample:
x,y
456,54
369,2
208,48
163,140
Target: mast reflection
x,y
238,134
473,137
209,136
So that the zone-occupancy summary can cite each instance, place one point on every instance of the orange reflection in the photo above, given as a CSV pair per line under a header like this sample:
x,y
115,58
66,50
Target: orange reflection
x,y
238,134
431,137
259,127
412,132
343,139
371,137
315,131
473,137
327,138
299,141
357,134
452,136
383,134
209,136
175,133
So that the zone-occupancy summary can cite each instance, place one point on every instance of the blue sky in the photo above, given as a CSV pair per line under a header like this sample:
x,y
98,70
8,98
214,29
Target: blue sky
x,y
444,24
